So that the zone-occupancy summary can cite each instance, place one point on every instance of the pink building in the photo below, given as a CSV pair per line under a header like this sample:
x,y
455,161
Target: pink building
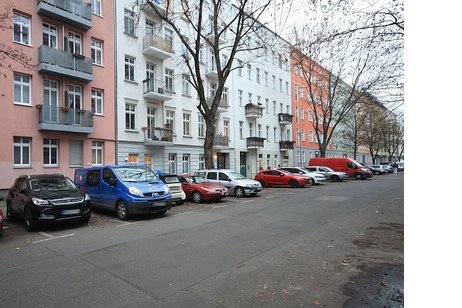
x,y
60,114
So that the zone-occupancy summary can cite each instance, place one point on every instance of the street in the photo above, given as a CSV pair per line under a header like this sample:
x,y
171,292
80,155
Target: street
x,y
332,245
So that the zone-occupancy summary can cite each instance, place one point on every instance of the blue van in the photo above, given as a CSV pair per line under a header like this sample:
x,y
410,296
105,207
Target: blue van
x,y
126,189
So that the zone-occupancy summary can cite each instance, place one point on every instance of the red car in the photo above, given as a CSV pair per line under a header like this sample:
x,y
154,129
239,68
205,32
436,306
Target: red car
x,y
198,189
281,177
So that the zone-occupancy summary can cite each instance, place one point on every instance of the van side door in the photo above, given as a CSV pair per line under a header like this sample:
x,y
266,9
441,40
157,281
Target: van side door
x,y
110,192
92,186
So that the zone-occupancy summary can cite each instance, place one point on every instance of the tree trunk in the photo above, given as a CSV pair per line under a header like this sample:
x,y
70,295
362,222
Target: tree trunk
x,y
208,145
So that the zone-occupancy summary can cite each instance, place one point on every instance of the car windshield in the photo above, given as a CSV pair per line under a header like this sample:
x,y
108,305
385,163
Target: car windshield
x,y
52,184
136,174
235,176
197,180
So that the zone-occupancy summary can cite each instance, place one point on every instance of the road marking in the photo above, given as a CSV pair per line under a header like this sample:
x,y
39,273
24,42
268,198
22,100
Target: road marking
x,y
218,206
46,234
52,237
128,223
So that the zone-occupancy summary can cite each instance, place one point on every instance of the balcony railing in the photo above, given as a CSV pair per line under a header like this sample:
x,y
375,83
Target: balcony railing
x,y
220,140
74,12
158,135
157,47
284,118
64,63
222,105
155,89
255,142
161,6
286,145
253,111
65,119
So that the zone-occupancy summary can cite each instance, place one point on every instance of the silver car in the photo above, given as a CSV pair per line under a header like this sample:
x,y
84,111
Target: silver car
x,y
334,176
236,183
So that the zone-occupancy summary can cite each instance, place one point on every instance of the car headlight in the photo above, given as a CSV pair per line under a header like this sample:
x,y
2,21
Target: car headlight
x,y
166,189
135,191
39,202
87,197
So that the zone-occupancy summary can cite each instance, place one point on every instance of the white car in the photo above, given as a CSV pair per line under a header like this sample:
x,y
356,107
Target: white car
x,y
334,176
316,178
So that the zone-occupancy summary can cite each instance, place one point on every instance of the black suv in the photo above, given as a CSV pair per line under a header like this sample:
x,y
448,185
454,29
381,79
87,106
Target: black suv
x,y
45,198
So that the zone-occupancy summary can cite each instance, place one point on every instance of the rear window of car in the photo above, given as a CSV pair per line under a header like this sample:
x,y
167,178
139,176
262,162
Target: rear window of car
x,y
212,175
170,179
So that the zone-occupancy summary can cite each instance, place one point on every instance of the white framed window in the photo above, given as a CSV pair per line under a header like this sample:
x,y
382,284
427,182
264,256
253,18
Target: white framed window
x,y
186,163
251,130
267,105
201,161
274,82
129,22
170,120
239,68
75,43
97,101
250,98
274,107
302,113
200,126
21,151
249,71
259,130
96,7
168,35
130,116
226,127
310,116
287,87
172,163
267,133
266,78
129,68
280,85
275,133
303,134
50,152
49,35
151,120
185,85
257,74
240,93
97,51
186,124
296,92
75,152
311,136
169,79
21,29
97,152
241,130
258,100
22,88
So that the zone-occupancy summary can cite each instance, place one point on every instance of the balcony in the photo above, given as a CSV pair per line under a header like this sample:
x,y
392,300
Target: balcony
x,y
211,38
157,47
284,118
64,63
220,141
158,136
211,71
222,105
64,119
154,90
255,142
253,111
73,12
286,145
160,5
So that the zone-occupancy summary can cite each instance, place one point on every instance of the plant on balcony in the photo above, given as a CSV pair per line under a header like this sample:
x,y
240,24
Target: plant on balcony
x,y
64,108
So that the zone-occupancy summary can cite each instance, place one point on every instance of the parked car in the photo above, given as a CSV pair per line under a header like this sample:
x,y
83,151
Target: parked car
x,y
125,189
1,222
198,189
378,169
400,165
236,183
44,198
275,177
173,183
343,164
316,178
387,167
329,174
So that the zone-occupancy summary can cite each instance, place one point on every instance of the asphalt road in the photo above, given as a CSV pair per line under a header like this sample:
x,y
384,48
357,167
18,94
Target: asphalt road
x,y
333,245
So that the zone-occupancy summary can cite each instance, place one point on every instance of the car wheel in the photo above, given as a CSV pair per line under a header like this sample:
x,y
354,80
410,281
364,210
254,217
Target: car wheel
x,y
335,178
293,183
262,183
239,192
313,182
196,197
29,222
122,210
358,176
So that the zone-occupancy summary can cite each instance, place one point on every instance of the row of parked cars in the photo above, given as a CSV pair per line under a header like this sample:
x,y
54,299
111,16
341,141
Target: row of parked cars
x,y
130,190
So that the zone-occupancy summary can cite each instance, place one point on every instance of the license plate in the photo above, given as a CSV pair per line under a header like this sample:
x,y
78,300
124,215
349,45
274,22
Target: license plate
x,y
70,212
162,203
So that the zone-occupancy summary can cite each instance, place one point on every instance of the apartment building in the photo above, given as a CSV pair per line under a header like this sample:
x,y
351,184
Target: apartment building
x,y
58,114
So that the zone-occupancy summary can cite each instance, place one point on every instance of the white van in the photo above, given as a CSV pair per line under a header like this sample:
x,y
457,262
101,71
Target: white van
x,y
236,183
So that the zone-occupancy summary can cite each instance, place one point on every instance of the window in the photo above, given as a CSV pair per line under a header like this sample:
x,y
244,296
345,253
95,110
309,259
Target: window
x,y
239,97
267,105
250,98
150,86
186,124
150,26
129,22
130,116
172,163
22,87
241,130
75,152
302,113
50,100
97,101
96,7
74,97
280,85
266,78
226,127
267,133
97,148
200,126
170,119
50,152
274,107
185,163
169,79
151,120
75,43
302,93
97,52
296,92
311,136
287,87
303,134
274,82
201,161
310,116
259,130
275,133
258,100
169,37
250,130
185,85
249,71
258,75
50,36
129,68
21,151
21,29
239,68
296,115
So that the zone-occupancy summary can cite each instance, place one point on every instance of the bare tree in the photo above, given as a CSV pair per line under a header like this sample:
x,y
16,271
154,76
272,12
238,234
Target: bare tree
x,y
342,61
8,54
224,30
